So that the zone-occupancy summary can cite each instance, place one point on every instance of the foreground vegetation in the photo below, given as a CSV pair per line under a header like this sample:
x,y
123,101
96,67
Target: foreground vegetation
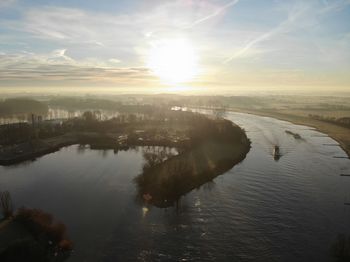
x,y
31,235
216,149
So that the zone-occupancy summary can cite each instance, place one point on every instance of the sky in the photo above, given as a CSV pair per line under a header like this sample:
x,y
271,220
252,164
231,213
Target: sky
x,y
155,46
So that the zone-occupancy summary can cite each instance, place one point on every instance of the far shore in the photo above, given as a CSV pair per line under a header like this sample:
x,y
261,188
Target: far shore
x,y
338,133
207,147
27,151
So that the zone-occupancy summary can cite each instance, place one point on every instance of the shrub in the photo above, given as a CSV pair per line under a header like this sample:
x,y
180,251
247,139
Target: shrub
x,y
41,225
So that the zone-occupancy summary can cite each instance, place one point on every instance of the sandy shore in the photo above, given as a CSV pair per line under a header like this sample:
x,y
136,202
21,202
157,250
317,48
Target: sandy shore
x,y
338,133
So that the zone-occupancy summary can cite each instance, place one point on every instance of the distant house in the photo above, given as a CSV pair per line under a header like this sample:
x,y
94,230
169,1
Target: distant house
x,y
122,139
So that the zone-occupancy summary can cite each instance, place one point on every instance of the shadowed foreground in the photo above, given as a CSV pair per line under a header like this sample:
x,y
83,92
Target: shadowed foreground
x,y
162,184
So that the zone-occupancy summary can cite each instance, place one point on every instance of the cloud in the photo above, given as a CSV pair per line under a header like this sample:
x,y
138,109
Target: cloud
x,y
71,25
114,61
335,5
58,66
102,36
7,3
113,45
293,15
300,15
217,12
59,56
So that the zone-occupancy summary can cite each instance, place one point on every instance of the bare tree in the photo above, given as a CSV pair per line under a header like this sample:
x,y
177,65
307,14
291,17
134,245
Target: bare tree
x,y
6,204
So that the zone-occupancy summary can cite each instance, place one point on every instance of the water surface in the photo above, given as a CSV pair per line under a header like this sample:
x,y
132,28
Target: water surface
x,y
261,210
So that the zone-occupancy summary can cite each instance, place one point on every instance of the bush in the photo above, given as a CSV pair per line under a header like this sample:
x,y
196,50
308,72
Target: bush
x,y
41,225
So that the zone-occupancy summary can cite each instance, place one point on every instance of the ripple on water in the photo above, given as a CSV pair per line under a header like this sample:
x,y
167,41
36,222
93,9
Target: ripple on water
x,y
261,210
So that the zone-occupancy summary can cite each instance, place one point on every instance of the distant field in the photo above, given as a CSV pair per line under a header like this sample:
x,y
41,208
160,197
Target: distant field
x,y
338,133
324,113
296,109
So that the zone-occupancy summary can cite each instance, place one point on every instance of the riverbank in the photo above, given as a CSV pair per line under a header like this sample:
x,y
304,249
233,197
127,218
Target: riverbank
x,y
338,133
208,146
162,185
33,235
31,150
181,130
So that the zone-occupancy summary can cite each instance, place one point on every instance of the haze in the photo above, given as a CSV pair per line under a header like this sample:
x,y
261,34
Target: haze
x,y
175,130
182,46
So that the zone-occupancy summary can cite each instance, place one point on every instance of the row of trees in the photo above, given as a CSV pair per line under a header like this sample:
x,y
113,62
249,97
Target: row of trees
x,y
342,121
15,106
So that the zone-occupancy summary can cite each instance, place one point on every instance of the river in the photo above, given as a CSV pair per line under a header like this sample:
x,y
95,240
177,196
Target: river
x,y
261,210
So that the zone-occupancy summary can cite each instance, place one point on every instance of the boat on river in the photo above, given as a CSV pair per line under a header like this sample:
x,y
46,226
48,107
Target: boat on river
x,y
295,135
276,152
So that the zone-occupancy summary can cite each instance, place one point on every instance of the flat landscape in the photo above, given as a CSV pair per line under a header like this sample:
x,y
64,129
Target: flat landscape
x,y
167,131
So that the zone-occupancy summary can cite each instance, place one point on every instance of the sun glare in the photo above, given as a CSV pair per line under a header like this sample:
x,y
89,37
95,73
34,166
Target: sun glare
x,y
173,61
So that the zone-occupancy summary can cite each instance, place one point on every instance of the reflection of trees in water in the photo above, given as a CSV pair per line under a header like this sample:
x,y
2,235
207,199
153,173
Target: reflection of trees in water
x,y
81,149
104,153
214,146
163,182
220,112
340,249
6,204
209,186
21,164
155,155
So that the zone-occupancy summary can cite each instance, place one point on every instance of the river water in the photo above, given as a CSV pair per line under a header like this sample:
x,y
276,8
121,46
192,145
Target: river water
x,y
261,210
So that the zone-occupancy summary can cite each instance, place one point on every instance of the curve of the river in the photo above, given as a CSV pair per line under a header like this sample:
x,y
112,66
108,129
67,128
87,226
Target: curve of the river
x,y
261,210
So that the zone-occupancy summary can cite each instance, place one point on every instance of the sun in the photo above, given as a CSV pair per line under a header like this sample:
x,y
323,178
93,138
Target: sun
x,y
173,61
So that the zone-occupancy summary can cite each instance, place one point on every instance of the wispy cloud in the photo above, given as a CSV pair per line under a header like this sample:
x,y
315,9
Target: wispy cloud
x,y
283,26
101,29
217,12
58,66
113,45
298,14
101,37
7,3
335,5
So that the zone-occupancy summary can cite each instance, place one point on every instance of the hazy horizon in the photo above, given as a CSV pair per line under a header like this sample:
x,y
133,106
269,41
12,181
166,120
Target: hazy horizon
x,y
175,130
186,47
